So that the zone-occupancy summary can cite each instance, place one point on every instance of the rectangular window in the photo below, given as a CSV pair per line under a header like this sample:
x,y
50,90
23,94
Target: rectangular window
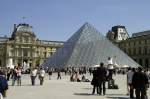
x,y
140,62
146,62
25,53
45,54
145,50
134,43
134,51
140,51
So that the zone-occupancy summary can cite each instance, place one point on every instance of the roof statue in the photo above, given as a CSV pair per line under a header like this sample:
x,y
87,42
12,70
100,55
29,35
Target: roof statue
x,y
87,47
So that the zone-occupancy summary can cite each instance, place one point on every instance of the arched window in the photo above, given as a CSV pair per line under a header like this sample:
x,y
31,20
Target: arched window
x,y
26,40
17,39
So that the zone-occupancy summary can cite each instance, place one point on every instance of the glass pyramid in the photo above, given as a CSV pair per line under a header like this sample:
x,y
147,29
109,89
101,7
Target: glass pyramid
x,y
87,47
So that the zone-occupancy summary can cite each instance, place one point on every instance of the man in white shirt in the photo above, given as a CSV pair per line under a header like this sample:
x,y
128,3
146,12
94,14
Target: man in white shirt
x,y
33,74
110,68
110,62
41,76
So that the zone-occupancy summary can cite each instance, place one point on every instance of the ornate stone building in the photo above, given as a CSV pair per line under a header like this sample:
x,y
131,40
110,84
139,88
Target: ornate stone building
x,y
23,47
137,46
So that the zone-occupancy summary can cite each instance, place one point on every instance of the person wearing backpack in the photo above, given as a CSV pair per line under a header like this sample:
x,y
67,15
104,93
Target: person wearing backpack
x,y
3,85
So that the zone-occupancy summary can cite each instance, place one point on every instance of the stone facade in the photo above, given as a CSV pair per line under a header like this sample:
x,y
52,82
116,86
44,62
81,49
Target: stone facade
x,y
23,47
138,47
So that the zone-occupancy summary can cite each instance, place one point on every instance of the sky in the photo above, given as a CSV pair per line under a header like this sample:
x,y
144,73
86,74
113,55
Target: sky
x,y
58,20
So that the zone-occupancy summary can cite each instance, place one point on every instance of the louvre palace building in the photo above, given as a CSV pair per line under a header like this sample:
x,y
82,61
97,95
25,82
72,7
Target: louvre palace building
x,y
24,48
137,46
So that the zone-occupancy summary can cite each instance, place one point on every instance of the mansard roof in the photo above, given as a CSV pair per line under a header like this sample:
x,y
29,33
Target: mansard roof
x,y
143,33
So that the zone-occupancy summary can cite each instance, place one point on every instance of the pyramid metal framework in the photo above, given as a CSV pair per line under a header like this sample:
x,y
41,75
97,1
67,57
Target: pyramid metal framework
x,y
87,47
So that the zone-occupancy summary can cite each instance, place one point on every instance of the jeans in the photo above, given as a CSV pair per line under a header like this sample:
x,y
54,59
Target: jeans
x,y
95,87
131,91
41,80
14,78
19,80
33,80
102,87
141,93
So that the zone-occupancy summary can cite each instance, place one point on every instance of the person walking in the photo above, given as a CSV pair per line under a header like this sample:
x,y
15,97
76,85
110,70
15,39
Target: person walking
x,y
140,83
33,75
90,71
41,76
94,81
129,82
8,73
110,68
14,75
18,76
50,73
58,75
3,85
102,78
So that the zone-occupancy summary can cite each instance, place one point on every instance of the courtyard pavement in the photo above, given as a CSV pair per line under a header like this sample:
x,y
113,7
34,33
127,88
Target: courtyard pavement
x,y
64,89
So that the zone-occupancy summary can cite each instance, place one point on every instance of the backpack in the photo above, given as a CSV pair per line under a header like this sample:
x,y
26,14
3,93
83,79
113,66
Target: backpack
x,y
3,84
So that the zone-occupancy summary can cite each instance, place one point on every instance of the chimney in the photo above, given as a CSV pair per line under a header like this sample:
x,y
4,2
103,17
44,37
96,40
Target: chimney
x,y
15,26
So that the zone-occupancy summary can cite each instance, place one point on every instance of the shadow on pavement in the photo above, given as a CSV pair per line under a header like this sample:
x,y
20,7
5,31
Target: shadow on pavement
x,y
116,94
82,94
26,85
30,85
117,97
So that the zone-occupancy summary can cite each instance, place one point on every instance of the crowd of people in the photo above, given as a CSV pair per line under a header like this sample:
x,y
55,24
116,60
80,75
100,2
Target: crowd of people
x,y
138,82
137,79
14,74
